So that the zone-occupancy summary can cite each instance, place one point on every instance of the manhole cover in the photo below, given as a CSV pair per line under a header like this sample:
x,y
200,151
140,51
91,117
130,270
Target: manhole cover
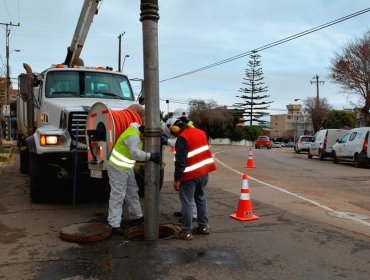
x,y
85,232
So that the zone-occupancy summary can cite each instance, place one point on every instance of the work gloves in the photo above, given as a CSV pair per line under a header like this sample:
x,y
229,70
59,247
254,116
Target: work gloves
x,y
155,157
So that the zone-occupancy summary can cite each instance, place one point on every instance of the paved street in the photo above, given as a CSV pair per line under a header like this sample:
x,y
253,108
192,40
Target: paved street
x,y
280,245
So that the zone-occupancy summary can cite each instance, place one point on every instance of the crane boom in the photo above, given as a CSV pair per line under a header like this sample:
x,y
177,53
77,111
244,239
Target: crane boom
x,y
89,10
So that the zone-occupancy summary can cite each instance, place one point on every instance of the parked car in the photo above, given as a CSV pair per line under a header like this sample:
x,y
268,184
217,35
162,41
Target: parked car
x,y
290,144
323,142
303,143
353,146
276,144
263,141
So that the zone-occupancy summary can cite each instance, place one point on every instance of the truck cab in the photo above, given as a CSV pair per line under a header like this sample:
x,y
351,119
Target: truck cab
x,y
53,142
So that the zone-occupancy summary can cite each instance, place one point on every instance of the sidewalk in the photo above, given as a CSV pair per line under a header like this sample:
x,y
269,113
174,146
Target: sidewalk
x,y
6,150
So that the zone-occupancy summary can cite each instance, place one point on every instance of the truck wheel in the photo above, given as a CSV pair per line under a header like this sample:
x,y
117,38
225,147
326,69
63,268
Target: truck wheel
x,y
23,160
37,187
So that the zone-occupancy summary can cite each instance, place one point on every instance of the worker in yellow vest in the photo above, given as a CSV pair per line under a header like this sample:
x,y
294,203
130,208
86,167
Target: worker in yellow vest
x,y
126,151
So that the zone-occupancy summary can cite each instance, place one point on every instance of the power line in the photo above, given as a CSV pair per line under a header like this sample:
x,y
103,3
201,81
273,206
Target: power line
x,y
276,43
6,8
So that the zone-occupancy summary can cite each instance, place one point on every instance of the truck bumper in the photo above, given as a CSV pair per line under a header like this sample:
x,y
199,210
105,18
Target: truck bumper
x,y
64,163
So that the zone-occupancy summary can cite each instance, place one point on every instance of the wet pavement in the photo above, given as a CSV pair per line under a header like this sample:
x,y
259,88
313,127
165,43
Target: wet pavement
x,y
279,245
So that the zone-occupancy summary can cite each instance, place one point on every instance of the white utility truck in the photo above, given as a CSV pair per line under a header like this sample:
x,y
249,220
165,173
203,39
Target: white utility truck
x,y
52,113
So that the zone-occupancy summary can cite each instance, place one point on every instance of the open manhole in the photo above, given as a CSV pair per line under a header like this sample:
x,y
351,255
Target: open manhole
x,y
137,232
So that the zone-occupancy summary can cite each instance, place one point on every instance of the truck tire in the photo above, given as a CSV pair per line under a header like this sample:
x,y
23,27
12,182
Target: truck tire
x,y
23,160
37,186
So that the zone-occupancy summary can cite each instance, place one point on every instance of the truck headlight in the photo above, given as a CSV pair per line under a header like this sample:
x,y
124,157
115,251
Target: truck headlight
x,y
46,140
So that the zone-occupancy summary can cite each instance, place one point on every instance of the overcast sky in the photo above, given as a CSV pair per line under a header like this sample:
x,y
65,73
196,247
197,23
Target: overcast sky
x,y
193,34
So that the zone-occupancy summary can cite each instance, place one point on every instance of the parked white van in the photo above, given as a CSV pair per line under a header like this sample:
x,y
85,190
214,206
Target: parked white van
x,y
323,142
353,146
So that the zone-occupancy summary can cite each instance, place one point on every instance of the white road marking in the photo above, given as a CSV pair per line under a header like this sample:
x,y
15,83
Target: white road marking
x,y
331,212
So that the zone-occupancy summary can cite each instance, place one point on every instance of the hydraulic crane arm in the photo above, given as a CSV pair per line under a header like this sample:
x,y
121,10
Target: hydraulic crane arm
x,y
89,10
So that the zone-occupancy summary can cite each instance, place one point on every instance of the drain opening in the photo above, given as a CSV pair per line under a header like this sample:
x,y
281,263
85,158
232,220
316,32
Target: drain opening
x,y
137,232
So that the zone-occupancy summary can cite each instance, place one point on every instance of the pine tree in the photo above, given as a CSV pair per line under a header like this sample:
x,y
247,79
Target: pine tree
x,y
253,106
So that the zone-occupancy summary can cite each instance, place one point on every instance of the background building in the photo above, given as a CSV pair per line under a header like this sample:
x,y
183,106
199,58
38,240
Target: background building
x,y
291,125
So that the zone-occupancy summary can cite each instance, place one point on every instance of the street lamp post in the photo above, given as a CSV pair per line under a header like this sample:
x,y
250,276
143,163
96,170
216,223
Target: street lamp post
x,y
119,50
124,59
7,87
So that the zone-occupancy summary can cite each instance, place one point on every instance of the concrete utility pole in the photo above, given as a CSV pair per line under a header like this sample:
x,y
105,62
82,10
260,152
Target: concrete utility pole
x,y
317,82
7,86
119,51
149,17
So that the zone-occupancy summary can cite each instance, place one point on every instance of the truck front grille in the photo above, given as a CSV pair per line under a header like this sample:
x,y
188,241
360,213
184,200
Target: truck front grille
x,y
76,126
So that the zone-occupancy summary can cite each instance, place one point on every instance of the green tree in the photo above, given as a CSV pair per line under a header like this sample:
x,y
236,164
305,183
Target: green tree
x,y
246,133
351,69
252,132
253,104
339,119
237,134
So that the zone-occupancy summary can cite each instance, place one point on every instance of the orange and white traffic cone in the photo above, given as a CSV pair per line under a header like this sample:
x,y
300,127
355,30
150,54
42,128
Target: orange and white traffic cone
x,y
244,211
250,163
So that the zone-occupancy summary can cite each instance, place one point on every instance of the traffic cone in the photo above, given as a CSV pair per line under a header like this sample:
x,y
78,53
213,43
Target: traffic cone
x,y
250,163
244,211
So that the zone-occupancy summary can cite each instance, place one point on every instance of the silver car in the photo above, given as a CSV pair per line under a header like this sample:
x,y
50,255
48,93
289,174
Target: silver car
x,y
303,143
276,144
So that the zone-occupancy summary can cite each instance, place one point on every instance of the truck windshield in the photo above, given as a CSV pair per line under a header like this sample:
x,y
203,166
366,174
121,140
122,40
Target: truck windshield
x,y
86,84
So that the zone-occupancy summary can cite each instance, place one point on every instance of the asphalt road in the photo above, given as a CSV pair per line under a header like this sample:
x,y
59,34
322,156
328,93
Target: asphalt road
x,y
319,190
298,236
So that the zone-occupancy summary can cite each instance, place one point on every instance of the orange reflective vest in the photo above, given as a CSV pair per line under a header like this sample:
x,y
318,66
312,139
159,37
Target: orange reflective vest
x,y
199,160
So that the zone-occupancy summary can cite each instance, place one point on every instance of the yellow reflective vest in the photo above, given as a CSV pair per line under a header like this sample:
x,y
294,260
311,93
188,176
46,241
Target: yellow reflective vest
x,y
121,156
